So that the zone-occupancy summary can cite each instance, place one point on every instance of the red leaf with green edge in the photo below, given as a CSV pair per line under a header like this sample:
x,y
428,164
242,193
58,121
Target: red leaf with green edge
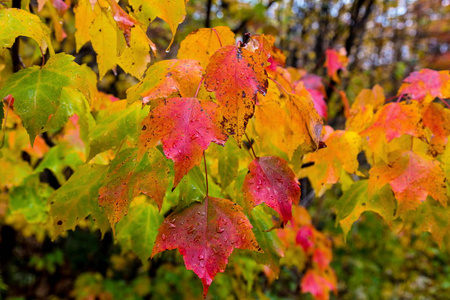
x,y
392,121
206,235
412,177
271,181
319,285
425,82
168,78
236,75
128,177
185,127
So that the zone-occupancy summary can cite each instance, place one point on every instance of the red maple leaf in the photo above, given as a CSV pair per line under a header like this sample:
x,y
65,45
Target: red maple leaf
x,y
206,235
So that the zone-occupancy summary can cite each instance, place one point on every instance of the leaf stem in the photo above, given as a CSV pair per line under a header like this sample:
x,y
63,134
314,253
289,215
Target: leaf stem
x,y
218,37
206,175
445,102
43,57
198,88
2,141
280,86
251,146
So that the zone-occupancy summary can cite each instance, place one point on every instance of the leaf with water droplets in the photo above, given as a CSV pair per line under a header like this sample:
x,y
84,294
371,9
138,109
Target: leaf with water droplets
x,y
270,180
129,177
206,235
186,127
236,75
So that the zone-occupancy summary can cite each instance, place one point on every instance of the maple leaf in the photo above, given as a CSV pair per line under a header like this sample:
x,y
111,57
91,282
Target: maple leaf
x,y
236,76
38,93
267,239
228,164
334,62
115,124
84,16
305,238
430,217
71,204
340,155
29,199
318,284
437,119
392,121
202,43
314,86
356,200
425,82
104,40
168,78
269,119
185,127
364,107
271,181
412,177
173,12
128,177
304,123
18,22
135,58
57,159
123,20
206,234
137,230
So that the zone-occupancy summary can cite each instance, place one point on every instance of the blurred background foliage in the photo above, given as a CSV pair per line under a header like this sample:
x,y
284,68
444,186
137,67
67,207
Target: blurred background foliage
x,y
385,40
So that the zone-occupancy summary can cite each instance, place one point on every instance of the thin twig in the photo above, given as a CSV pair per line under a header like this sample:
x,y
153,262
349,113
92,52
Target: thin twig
x,y
206,175
198,88
218,37
2,142
445,102
280,86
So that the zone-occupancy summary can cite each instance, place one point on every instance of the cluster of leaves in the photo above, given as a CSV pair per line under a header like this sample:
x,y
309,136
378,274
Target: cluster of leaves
x,y
252,121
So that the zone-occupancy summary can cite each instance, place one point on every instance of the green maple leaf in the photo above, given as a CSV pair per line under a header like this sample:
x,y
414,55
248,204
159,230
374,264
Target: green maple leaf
x,y
38,92
137,231
78,198
30,199
115,124
355,201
